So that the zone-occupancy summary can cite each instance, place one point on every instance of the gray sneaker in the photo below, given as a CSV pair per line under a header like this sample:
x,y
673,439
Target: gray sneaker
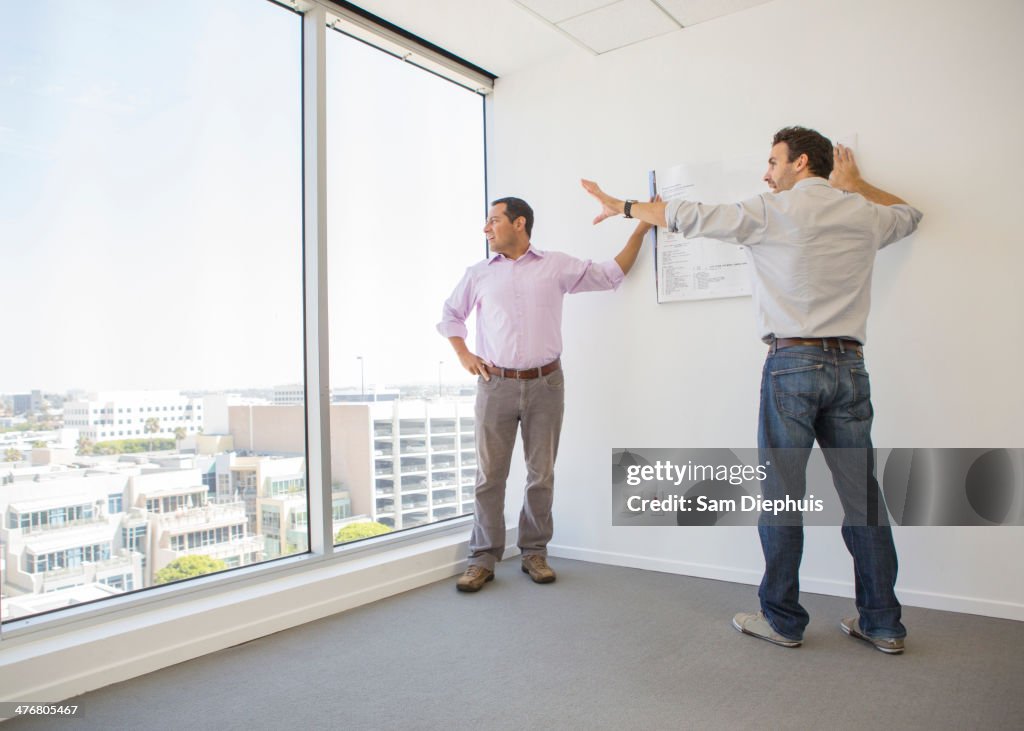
x,y
756,625
888,645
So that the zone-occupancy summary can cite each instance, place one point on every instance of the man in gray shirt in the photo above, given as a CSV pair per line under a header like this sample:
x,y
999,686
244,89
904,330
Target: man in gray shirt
x,y
812,247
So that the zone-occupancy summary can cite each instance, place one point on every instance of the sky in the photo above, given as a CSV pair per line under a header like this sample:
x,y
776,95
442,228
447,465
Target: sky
x,y
150,200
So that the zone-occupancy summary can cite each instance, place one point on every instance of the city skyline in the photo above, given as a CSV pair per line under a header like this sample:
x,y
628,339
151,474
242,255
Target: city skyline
x,y
464,379
80,524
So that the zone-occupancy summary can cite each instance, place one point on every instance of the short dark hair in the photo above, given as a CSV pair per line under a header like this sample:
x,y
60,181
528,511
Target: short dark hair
x,y
803,141
516,207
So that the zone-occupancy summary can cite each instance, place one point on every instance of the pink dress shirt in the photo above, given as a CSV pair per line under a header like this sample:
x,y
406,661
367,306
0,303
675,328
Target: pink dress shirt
x,y
518,304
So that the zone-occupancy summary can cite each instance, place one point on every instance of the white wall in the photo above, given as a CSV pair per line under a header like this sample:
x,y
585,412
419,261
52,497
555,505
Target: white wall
x,y
932,90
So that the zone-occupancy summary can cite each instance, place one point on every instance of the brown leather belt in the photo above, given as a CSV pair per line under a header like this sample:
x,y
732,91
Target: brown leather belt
x,y
823,343
525,373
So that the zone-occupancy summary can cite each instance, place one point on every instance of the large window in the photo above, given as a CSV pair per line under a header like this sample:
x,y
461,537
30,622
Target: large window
x,y
159,252
151,226
406,200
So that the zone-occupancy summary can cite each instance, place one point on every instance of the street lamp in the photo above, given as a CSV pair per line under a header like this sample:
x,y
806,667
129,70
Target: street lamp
x,y
362,376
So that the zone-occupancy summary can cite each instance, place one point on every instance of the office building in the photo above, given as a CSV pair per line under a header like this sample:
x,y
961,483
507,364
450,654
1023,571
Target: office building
x,y
404,463
111,415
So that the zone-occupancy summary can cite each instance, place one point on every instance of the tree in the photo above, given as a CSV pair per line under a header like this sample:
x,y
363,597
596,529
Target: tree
x,y
39,444
179,436
152,427
356,531
12,455
188,567
85,445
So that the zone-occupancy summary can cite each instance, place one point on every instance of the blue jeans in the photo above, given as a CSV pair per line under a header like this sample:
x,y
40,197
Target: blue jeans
x,y
812,393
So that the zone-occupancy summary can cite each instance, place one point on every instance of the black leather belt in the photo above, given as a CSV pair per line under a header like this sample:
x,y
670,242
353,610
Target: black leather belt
x,y
525,373
823,343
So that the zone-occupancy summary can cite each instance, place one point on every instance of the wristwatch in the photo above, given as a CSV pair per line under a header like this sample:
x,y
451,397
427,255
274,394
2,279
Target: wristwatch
x,y
627,210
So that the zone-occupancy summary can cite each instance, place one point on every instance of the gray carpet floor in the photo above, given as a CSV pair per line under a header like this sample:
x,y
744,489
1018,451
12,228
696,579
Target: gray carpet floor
x,y
602,648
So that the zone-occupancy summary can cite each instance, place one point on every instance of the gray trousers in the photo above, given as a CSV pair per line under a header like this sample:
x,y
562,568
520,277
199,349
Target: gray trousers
x,y
503,406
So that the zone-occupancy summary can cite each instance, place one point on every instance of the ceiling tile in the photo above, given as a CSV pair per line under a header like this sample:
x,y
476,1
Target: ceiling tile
x,y
497,35
504,36
618,25
558,10
691,12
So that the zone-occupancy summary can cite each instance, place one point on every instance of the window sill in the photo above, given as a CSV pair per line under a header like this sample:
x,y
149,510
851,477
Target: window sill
x,y
53,657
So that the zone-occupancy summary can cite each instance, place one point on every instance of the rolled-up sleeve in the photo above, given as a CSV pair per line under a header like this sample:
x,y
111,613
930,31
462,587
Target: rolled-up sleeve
x,y
897,222
738,223
581,275
456,309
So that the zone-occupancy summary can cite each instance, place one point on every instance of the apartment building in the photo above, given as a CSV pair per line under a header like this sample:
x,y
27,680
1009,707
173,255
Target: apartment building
x,y
115,524
183,521
63,531
272,488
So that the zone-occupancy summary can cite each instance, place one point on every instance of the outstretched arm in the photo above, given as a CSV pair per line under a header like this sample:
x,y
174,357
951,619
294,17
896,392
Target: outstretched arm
x,y
846,176
652,213
627,257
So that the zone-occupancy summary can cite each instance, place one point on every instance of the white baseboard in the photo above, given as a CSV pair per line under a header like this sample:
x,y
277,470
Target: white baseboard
x,y
962,604
830,587
649,563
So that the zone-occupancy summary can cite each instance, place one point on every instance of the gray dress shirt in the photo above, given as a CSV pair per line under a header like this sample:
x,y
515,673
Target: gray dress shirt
x,y
812,250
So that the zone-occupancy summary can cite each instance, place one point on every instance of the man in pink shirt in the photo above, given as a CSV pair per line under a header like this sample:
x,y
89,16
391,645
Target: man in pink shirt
x,y
517,296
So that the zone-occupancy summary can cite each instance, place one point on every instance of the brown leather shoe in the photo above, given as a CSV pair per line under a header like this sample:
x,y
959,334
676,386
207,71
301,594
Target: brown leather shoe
x,y
474,579
537,567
